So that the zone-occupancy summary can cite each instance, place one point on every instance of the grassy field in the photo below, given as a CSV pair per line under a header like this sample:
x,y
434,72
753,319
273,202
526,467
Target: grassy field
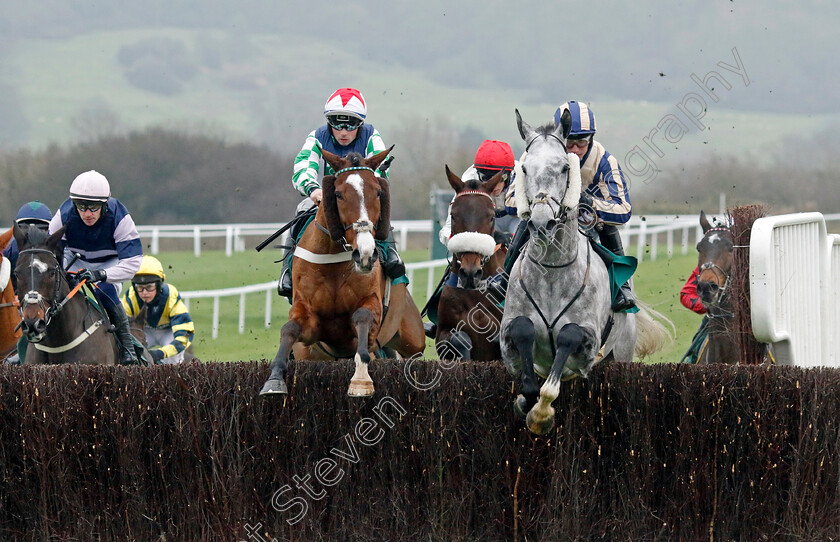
x,y
657,283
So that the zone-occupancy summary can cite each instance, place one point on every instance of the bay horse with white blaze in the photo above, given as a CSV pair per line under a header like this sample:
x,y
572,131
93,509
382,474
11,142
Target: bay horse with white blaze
x,y
61,324
557,319
343,305
468,313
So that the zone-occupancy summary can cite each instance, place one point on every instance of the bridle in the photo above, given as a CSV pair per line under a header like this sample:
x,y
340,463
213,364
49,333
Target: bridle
x,y
52,306
485,257
562,213
722,291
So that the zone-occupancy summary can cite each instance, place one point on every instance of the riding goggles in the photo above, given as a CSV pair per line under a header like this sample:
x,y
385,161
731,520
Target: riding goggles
x,y
145,287
579,143
93,206
349,125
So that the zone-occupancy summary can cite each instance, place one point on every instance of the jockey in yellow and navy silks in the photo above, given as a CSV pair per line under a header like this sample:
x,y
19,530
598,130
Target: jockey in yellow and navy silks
x,y
101,231
604,189
169,328
345,131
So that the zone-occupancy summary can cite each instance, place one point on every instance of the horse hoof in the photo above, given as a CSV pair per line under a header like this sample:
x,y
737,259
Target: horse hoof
x,y
540,427
360,388
520,407
274,387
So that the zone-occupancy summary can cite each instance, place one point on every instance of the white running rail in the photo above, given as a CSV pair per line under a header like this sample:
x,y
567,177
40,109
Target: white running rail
x,y
270,291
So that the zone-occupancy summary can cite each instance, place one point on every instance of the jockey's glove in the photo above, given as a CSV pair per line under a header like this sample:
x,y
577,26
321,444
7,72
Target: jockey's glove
x,y
157,354
92,275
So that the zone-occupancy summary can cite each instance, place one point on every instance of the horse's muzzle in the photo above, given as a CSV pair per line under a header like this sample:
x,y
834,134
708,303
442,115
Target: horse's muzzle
x,y
363,266
708,292
34,329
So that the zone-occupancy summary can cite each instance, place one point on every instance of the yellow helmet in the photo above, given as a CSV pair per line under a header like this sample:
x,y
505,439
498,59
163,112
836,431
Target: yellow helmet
x,y
150,270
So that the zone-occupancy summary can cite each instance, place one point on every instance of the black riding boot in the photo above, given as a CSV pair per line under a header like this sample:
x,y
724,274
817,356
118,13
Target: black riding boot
x,y
122,332
611,240
521,237
284,285
390,259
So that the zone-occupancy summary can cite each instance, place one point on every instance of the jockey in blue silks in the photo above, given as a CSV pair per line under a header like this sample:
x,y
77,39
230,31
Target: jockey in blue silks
x,y
100,230
345,131
605,192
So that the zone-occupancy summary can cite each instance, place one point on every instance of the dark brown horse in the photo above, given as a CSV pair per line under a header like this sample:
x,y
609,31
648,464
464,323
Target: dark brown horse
x,y
715,264
9,316
469,314
62,326
339,287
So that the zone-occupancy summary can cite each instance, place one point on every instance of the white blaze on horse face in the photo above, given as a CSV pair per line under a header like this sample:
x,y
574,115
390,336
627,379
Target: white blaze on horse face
x,y
714,238
363,227
39,265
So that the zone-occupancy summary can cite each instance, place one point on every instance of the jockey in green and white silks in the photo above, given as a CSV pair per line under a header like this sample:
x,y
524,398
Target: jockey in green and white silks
x,y
345,131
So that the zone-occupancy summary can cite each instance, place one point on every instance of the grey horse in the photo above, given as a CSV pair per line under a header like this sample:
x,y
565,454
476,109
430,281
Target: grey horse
x,y
557,320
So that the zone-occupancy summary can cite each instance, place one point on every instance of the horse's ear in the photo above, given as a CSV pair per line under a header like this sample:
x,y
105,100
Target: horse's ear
x,y
525,129
20,235
330,206
55,239
704,222
565,127
333,160
454,181
490,184
374,161
383,227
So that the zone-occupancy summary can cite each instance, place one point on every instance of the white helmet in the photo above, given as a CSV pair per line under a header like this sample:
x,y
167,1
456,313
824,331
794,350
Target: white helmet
x,y
90,185
346,101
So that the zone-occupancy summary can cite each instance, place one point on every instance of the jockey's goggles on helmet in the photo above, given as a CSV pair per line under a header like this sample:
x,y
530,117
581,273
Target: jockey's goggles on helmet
x,y
86,205
579,143
344,122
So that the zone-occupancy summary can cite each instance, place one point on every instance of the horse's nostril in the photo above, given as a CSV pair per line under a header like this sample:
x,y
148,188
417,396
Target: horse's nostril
x,y
357,256
551,224
40,326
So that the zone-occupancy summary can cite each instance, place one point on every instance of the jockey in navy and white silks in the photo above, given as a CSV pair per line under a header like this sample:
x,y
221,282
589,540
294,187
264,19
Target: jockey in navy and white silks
x,y
345,131
604,190
101,231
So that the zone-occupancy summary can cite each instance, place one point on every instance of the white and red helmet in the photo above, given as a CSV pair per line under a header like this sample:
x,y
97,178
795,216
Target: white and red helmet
x,y
92,186
346,101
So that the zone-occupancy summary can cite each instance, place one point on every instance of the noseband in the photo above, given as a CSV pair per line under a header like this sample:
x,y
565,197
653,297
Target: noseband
x,y
463,237
34,297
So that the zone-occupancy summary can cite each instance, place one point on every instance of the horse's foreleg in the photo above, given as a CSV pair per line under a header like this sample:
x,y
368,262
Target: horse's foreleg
x,y
570,339
521,337
276,383
453,344
361,385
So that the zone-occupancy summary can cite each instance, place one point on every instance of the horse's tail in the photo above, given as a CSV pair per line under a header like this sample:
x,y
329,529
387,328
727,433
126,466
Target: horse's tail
x,y
652,328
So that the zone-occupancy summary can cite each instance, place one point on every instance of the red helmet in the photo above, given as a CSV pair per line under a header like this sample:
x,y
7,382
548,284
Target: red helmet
x,y
492,154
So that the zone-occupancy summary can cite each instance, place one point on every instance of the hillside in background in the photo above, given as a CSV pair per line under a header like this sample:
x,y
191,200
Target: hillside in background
x,y
674,87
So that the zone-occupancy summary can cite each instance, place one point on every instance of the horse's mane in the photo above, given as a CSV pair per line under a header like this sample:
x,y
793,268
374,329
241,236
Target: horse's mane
x,y
546,129
473,184
355,158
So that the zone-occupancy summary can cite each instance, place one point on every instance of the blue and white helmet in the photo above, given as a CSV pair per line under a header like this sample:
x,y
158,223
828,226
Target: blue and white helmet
x,y
583,119
34,211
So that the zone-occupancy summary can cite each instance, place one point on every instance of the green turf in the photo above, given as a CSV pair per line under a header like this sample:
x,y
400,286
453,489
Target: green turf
x,y
657,283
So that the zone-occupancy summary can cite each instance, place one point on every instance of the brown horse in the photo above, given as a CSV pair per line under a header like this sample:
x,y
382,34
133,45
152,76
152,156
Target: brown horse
x,y
339,287
9,316
60,323
468,312
715,264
